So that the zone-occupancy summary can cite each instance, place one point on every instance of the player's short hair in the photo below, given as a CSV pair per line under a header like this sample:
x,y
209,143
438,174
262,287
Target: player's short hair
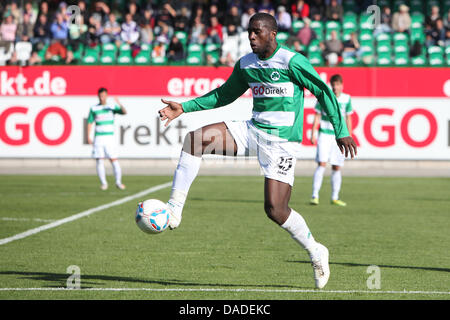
x,y
269,20
102,90
336,78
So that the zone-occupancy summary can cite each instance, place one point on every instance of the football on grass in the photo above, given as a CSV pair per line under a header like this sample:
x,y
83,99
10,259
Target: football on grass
x,y
152,216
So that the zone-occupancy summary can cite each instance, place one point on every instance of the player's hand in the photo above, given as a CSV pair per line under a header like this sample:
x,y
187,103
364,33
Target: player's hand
x,y
89,140
347,145
313,139
171,111
117,100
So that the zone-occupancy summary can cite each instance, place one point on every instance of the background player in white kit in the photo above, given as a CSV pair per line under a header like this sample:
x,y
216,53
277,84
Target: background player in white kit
x,y
102,114
327,148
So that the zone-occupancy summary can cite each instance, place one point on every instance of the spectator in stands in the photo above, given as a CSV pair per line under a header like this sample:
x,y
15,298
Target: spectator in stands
x,y
233,18
434,15
165,19
146,27
249,12
385,23
95,30
214,12
41,30
306,34
198,13
83,11
130,32
58,49
133,10
111,30
266,7
447,20
60,29
159,50
28,10
15,12
182,20
198,32
230,47
164,35
283,19
416,49
447,38
175,50
101,11
77,33
25,29
436,36
334,11
317,10
8,30
352,47
214,32
401,21
43,10
300,10
332,49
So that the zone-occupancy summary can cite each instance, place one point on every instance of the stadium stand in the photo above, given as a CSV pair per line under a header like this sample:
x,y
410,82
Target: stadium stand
x,y
409,32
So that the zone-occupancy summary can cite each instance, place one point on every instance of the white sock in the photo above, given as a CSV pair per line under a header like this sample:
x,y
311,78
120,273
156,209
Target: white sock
x,y
117,172
317,181
299,231
336,181
101,171
185,173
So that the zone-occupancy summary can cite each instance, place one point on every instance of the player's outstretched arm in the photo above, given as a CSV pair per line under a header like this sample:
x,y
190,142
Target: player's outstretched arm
x,y
347,146
171,111
122,108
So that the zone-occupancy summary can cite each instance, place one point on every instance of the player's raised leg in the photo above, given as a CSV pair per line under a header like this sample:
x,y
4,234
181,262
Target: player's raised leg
x,y
211,139
276,206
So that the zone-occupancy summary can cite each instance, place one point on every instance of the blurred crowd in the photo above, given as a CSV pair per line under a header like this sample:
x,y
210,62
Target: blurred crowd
x,y
32,32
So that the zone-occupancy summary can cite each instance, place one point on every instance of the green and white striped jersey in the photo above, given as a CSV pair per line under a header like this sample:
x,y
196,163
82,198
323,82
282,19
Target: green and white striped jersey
x,y
103,115
345,103
277,84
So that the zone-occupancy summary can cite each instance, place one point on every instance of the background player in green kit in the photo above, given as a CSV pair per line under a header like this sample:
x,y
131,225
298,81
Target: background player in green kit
x,y
277,77
102,114
327,150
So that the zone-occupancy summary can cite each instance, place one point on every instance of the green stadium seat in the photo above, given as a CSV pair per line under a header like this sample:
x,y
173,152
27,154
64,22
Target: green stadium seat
x,y
349,61
195,58
182,36
401,38
419,61
366,22
333,25
401,59
159,61
400,48
318,28
435,56
416,6
396,4
366,35
417,35
297,25
77,54
314,46
125,57
315,58
384,59
108,57
143,57
109,47
91,55
349,5
367,47
282,37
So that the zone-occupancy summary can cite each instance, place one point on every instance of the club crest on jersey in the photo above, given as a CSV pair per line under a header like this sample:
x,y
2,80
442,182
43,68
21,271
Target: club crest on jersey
x,y
275,76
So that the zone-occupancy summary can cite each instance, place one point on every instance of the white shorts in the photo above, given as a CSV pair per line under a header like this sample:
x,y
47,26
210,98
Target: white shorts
x,y
276,158
104,147
328,150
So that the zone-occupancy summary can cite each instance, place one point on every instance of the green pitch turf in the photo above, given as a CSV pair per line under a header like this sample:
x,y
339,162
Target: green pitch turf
x,y
225,242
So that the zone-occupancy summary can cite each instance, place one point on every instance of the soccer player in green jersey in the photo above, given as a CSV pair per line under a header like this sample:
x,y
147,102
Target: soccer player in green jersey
x,y
102,114
277,77
327,150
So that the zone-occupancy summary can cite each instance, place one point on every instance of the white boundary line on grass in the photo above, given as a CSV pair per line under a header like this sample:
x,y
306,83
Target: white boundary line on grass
x,y
232,290
83,214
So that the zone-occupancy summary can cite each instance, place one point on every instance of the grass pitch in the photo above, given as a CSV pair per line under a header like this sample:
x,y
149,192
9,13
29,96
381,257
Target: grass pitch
x,y
225,248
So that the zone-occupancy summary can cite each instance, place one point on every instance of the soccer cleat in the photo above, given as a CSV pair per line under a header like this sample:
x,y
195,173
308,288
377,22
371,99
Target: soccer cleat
x,y
338,203
104,187
314,201
121,186
175,211
321,268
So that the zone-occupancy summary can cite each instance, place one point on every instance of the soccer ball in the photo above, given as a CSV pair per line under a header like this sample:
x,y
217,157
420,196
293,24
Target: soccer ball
x,y
152,216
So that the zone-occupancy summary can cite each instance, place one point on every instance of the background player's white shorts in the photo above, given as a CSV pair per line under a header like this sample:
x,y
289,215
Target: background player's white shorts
x,y
328,150
276,158
104,147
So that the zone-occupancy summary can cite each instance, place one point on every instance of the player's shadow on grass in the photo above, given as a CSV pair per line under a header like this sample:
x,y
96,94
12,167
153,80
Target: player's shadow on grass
x,y
58,280
350,264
